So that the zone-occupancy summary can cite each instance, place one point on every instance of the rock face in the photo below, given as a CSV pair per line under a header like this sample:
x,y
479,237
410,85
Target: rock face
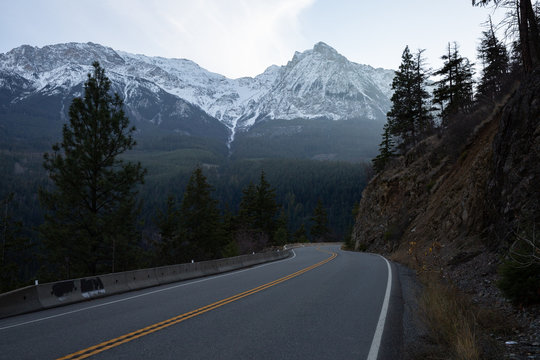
x,y
456,197
514,184
454,206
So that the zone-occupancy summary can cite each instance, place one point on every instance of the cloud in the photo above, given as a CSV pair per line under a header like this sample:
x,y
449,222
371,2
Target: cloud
x,y
235,38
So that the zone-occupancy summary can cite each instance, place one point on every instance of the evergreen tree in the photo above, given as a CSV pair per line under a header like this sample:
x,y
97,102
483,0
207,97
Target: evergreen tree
x,y
319,231
248,207
454,92
423,118
495,60
281,235
90,226
168,223
300,235
15,249
349,243
386,150
200,233
410,118
401,115
528,28
258,208
229,228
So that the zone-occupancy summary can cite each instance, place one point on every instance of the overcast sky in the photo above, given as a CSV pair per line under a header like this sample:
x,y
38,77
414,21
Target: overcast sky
x,y
243,37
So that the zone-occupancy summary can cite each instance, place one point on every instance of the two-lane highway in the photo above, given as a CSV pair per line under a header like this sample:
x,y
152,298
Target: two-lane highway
x,y
323,303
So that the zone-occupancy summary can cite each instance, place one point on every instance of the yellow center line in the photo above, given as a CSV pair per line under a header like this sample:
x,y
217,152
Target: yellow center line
x,y
96,349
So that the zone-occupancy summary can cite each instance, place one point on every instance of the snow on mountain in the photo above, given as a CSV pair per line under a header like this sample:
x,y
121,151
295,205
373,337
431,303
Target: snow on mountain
x,y
321,83
317,83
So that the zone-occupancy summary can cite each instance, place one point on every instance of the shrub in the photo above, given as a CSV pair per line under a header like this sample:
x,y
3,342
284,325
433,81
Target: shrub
x,y
520,284
520,274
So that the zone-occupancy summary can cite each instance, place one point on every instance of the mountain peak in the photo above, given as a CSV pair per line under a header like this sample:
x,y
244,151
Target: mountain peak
x,y
324,48
316,83
327,52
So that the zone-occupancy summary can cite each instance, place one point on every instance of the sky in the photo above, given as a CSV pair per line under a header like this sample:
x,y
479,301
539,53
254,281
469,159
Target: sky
x,y
239,38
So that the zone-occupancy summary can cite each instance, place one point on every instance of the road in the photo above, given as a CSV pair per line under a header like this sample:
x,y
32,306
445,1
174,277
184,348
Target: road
x,y
322,303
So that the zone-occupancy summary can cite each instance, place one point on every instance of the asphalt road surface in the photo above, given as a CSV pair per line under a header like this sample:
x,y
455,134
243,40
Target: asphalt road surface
x,y
321,303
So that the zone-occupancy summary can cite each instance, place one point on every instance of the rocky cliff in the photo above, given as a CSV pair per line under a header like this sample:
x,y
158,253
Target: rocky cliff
x,y
459,196
457,201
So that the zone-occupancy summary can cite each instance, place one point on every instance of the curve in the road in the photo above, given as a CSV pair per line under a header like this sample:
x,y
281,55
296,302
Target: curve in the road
x,y
106,345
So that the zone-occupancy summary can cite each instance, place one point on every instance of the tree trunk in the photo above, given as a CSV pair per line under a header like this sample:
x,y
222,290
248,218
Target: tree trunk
x,y
534,39
524,36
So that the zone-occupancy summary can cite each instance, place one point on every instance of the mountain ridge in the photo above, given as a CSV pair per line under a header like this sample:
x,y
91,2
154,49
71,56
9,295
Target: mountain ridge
x,y
234,102
301,105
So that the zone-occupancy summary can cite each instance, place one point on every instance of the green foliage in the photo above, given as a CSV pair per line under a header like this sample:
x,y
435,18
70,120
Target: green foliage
x,y
281,235
300,235
91,220
231,249
495,63
386,150
319,231
258,209
409,119
168,223
454,91
200,234
525,19
15,250
520,273
349,243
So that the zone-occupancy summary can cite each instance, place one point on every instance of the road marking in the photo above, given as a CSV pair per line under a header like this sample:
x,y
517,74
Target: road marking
x,y
146,294
377,337
93,350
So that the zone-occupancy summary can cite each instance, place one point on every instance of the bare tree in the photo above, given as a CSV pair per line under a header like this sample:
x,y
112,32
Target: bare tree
x,y
525,250
524,18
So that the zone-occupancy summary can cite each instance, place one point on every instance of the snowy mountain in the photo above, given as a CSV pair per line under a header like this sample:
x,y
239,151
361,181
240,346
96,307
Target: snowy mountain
x,y
321,83
178,95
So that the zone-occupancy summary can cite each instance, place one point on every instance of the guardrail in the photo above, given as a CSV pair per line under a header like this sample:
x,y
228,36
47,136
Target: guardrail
x,y
48,295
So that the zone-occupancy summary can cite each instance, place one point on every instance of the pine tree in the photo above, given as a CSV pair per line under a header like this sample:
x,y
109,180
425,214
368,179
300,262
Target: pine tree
x,y
201,236
168,222
300,235
248,207
281,235
495,60
258,207
409,119
423,117
319,231
386,150
401,115
90,226
229,228
15,248
454,92
349,243
529,33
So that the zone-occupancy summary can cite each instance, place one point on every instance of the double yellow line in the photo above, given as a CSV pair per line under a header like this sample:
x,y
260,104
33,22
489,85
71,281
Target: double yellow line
x,y
106,345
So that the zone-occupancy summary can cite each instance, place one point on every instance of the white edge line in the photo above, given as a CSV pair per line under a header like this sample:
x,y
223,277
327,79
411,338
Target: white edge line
x,y
377,337
145,294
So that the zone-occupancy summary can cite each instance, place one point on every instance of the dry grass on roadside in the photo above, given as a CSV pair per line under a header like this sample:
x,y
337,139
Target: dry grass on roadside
x,y
451,318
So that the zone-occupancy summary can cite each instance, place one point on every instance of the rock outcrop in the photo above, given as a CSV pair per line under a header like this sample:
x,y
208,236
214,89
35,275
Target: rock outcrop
x,y
455,203
462,193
